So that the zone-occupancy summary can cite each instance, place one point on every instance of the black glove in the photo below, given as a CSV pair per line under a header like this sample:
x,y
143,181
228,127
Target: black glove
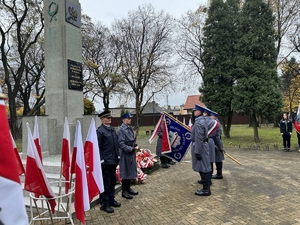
x,y
198,156
135,145
133,150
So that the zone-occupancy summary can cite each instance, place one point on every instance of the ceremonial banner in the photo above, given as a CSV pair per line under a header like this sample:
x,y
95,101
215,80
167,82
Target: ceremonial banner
x,y
92,161
12,205
179,137
161,126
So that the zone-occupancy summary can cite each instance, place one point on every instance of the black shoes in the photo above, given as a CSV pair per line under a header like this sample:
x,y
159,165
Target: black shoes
x,y
132,192
171,162
126,195
203,192
164,165
107,209
217,176
115,204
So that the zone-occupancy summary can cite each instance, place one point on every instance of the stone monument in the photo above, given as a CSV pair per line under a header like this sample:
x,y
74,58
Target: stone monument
x,y
63,75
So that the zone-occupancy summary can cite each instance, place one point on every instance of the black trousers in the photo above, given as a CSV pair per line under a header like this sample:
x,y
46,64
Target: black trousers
x,y
109,180
286,138
126,184
206,178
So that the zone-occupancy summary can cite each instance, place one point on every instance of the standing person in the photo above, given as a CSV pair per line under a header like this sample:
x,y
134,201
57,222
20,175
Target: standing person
x,y
219,155
163,159
109,152
127,146
286,132
200,151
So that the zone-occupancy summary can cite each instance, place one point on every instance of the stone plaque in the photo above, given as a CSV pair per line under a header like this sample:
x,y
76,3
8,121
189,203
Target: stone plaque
x,y
75,75
73,14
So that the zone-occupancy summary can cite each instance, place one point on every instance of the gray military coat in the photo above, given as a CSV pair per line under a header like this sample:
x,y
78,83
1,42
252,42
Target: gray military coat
x,y
200,146
128,166
219,156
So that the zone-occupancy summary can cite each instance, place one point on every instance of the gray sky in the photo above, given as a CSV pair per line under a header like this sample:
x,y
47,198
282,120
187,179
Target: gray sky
x,y
108,11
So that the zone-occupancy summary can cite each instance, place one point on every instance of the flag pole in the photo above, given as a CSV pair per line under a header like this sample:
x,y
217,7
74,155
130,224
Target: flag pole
x,y
178,121
59,190
38,211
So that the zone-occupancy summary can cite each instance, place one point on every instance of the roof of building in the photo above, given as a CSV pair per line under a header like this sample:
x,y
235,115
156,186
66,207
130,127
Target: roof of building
x,y
151,108
191,101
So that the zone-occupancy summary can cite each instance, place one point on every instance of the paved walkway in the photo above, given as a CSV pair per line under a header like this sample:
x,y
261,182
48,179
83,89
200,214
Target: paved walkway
x,y
264,190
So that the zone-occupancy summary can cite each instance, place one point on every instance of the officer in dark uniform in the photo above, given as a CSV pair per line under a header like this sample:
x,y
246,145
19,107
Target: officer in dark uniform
x,y
286,129
219,155
127,146
200,151
109,152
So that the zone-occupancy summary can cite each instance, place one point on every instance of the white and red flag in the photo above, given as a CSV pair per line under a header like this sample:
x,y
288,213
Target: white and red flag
x,y
36,138
161,126
66,154
35,177
12,205
81,198
92,161
20,166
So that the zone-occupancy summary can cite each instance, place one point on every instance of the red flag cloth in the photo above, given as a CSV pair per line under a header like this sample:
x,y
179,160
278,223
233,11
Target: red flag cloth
x,y
35,177
166,147
65,155
13,209
20,166
92,160
36,138
81,197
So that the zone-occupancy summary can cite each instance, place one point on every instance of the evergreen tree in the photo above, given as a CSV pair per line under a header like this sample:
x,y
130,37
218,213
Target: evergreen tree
x,y
257,90
219,53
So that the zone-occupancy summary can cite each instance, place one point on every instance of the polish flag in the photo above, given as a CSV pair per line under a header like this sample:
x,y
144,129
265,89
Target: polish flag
x,y
35,177
92,160
20,166
190,123
13,209
65,155
81,196
157,127
166,146
36,138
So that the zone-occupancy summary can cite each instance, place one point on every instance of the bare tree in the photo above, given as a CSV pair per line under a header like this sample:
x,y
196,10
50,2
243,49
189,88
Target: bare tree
x,y
21,25
286,24
144,43
189,35
101,61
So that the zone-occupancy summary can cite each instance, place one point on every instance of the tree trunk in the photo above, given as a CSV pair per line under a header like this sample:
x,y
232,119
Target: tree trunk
x,y
255,127
13,118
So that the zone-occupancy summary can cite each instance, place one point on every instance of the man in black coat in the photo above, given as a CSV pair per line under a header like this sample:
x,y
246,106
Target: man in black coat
x,y
109,152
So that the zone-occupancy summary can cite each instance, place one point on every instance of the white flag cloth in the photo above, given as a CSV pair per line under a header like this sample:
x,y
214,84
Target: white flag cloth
x,y
12,205
36,138
92,160
81,198
66,154
35,177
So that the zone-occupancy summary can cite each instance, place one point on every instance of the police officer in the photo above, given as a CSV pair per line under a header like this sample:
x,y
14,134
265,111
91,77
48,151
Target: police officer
x,y
213,137
219,155
109,152
286,132
200,151
127,146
